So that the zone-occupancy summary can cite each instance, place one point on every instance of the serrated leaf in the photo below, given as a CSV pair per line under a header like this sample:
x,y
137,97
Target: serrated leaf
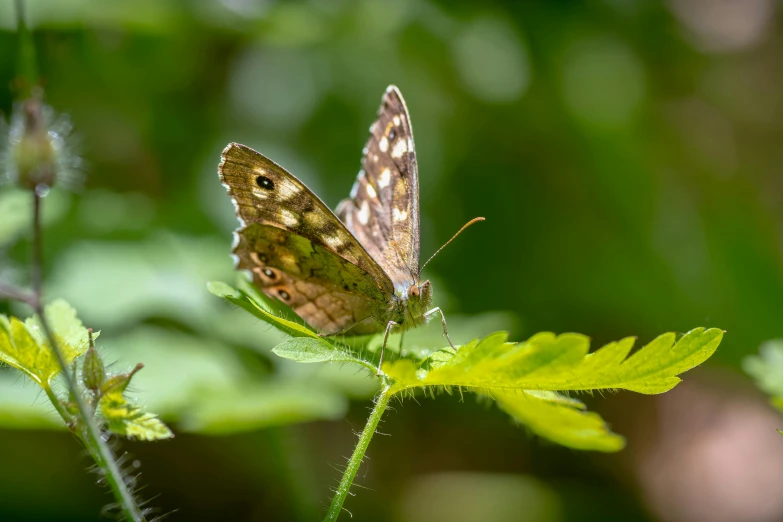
x,y
549,362
523,378
127,419
25,347
560,419
146,426
309,350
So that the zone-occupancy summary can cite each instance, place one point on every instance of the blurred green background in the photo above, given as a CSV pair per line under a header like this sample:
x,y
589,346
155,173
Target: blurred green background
x,y
626,155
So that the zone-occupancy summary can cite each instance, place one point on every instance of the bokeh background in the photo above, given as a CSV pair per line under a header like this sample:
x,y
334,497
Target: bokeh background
x,y
626,155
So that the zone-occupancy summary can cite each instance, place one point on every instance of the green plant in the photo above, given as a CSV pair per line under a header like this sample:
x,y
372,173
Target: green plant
x,y
525,379
53,348
767,369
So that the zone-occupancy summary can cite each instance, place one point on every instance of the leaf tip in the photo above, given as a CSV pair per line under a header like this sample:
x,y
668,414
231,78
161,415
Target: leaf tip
x,y
221,289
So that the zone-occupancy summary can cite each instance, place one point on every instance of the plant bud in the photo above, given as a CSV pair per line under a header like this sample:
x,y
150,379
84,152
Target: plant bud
x,y
118,383
32,152
93,373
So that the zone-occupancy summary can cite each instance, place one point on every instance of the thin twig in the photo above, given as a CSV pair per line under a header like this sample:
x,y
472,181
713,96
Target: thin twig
x,y
17,294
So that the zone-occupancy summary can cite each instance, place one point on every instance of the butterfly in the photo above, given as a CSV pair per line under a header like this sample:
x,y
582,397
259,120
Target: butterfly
x,y
352,272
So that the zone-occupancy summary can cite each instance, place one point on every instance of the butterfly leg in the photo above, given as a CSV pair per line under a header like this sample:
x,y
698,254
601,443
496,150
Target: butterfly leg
x,y
437,310
389,326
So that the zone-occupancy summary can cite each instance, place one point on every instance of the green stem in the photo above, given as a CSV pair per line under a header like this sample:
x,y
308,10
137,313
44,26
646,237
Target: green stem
x,y
381,402
89,432
26,65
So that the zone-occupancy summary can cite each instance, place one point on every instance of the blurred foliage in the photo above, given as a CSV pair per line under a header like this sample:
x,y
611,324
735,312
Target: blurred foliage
x,y
626,156
767,369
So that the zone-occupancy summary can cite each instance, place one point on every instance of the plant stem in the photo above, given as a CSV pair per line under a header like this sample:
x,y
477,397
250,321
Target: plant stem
x,y
89,434
381,402
17,294
26,58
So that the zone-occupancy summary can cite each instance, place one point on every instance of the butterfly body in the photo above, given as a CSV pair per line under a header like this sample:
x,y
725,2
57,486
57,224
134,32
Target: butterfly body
x,y
352,272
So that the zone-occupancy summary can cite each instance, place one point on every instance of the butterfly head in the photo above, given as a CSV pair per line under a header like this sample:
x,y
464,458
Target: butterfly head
x,y
419,298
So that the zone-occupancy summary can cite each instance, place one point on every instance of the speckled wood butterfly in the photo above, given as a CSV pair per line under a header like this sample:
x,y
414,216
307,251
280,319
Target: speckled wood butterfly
x,y
352,272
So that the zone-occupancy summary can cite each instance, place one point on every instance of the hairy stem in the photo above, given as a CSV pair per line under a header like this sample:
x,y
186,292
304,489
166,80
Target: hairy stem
x,y
89,432
381,402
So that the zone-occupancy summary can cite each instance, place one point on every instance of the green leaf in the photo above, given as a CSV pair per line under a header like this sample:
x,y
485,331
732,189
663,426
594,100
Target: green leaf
x,y
550,362
523,378
125,418
767,369
146,426
24,346
309,350
266,309
560,419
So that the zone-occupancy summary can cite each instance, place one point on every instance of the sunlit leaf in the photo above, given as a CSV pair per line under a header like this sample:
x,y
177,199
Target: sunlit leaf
x,y
25,347
559,419
309,350
550,362
127,419
523,377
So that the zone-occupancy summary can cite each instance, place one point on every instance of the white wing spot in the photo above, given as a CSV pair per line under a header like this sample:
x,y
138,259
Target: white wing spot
x,y
288,218
287,190
383,144
371,191
364,213
400,215
333,241
400,148
384,179
396,120
375,157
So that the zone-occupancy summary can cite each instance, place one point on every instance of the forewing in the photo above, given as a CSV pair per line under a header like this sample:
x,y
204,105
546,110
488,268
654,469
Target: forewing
x,y
317,266
265,193
383,210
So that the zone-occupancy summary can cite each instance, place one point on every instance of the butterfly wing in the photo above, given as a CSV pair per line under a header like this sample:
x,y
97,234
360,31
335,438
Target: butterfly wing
x,y
297,249
383,210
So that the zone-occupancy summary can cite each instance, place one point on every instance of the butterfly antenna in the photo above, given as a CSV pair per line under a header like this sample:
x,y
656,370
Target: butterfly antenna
x,y
466,225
